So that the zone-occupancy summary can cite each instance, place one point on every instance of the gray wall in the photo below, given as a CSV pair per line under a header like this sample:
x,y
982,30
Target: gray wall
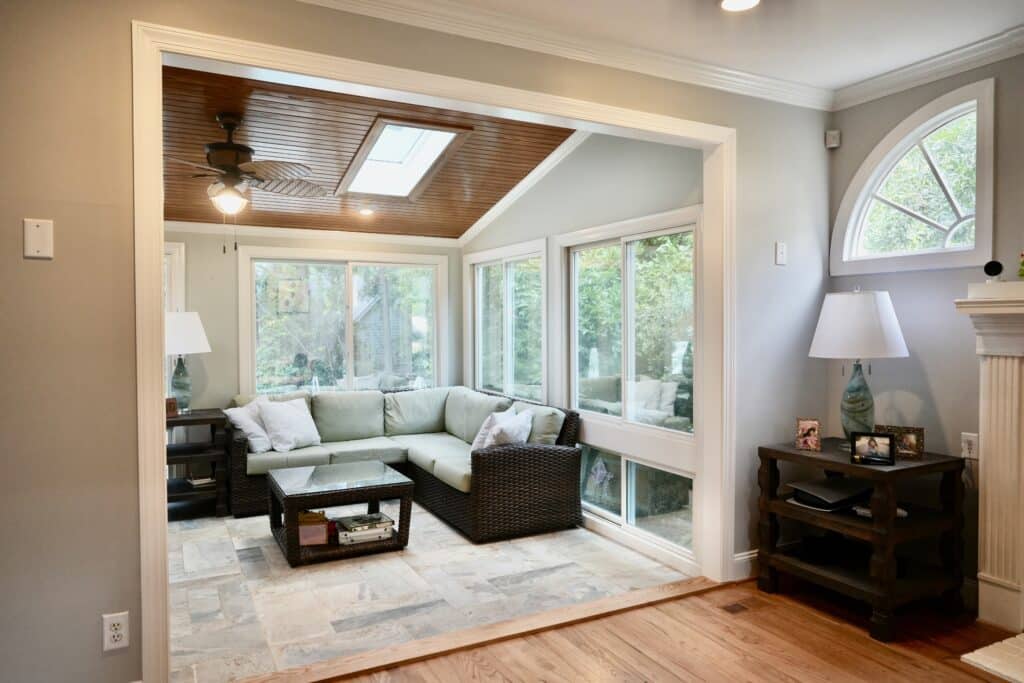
x,y
604,180
211,289
68,409
937,386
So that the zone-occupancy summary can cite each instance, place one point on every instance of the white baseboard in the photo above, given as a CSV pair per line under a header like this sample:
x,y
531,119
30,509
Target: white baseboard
x,y
744,565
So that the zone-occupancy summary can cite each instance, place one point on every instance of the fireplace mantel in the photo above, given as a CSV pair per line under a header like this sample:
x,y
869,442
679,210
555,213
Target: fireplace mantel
x,y
997,313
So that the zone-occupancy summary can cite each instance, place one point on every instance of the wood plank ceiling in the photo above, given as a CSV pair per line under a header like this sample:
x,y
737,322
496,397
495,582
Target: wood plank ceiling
x,y
324,130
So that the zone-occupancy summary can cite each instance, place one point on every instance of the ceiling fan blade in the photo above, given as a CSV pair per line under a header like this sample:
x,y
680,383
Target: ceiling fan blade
x,y
292,188
275,170
194,165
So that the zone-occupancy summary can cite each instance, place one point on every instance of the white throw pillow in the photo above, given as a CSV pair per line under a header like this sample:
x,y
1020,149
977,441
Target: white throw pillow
x,y
513,430
289,424
246,419
491,423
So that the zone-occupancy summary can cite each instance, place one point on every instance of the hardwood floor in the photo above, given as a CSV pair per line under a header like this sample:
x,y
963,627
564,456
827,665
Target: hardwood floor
x,y
732,633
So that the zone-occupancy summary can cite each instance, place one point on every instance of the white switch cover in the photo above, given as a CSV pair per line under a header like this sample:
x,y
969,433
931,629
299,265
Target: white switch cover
x,y
780,253
38,238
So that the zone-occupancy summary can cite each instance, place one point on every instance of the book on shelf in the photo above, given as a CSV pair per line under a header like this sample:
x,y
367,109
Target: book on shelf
x,y
198,482
364,536
374,520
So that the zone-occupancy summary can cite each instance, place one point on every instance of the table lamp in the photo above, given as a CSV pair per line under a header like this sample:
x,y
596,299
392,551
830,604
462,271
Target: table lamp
x,y
183,333
855,326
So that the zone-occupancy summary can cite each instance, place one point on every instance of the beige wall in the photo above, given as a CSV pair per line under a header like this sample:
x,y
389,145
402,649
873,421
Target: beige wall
x,y
211,289
937,386
68,363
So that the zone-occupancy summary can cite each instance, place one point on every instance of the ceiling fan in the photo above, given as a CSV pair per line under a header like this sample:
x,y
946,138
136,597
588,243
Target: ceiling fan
x,y
235,172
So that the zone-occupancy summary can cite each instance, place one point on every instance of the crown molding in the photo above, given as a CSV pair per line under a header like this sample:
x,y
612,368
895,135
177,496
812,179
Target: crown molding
x,y
1001,46
308,234
500,28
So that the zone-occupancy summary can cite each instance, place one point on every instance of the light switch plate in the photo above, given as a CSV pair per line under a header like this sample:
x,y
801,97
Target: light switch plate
x,y
38,238
781,255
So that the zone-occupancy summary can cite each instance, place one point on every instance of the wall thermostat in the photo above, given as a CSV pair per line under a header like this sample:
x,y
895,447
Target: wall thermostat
x,y
832,139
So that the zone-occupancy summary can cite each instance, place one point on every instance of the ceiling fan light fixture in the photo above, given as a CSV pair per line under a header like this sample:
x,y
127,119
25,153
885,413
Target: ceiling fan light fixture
x,y
365,212
738,5
228,200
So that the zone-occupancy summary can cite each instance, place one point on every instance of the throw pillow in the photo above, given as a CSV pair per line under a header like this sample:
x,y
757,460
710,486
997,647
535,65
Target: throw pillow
x,y
513,430
491,423
247,420
289,424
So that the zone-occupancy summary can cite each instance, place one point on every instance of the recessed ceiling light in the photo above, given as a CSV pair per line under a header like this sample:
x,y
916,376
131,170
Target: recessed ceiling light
x,y
365,212
738,5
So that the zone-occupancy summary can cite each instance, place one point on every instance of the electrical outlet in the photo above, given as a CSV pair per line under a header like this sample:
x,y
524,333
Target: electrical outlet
x,y
969,445
115,631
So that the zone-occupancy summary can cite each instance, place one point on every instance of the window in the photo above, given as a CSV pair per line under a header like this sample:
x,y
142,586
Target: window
x,y
508,322
923,198
396,158
657,502
648,281
315,324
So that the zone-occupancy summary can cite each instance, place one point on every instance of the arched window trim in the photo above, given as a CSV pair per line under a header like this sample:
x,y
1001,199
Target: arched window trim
x,y
886,154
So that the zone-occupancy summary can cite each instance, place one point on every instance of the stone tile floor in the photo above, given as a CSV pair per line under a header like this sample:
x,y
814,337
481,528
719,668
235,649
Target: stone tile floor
x,y
238,609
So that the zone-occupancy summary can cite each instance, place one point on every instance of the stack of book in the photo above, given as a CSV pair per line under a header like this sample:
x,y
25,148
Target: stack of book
x,y
364,528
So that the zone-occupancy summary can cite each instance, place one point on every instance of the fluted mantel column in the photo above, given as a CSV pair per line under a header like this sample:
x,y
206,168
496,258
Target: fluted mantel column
x,y
999,323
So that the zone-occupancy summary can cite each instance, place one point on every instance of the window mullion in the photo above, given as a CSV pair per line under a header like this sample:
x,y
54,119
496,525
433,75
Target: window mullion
x,y
942,182
508,330
350,334
913,214
626,333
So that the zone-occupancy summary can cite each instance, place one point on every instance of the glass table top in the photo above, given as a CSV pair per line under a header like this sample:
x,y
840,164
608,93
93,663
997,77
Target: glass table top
x,y
341,477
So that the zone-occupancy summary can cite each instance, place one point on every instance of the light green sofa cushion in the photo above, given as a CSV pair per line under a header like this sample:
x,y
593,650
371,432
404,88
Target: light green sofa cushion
x,y
456,471
245,399
547,422
261,463
348,415
426,449
466,410
415,412
378,448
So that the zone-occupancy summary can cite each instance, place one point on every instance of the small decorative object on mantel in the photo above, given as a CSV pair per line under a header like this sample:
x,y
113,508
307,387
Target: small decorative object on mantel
x,y
808,434
872,448
909,440
994,269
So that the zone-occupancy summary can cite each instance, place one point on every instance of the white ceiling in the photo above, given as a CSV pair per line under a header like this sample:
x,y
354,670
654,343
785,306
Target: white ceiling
x,y
806,52
823,43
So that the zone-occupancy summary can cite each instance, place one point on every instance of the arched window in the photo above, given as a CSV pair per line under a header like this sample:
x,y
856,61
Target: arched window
x,y
923,197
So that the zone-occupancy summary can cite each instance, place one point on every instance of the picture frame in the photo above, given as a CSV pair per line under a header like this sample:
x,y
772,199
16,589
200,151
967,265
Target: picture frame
x,y
808,434
171,406
909,440
873,448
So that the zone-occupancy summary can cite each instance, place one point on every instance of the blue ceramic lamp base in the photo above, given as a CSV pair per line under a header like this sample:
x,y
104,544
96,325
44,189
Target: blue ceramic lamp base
x,y
857,411
181,386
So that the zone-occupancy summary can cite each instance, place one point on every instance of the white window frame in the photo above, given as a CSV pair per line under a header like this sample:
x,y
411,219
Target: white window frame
x,y
979,95
175,252
668,449
247,255
471,315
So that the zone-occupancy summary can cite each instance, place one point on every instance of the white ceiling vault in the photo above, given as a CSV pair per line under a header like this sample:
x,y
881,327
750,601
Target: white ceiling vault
x,y
825,54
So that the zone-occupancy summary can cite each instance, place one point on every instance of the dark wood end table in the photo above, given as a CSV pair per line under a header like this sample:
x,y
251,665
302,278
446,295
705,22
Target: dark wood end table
x,y
296,489
213,452
884,582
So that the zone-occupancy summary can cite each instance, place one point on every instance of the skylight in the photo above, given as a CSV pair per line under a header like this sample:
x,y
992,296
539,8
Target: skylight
x,y
400,156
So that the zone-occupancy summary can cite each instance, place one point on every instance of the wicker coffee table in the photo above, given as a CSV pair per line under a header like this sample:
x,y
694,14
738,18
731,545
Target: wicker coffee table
x,y
296,489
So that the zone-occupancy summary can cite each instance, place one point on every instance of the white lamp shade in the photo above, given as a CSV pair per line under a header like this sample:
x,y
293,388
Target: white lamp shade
x,y
183,333
855,325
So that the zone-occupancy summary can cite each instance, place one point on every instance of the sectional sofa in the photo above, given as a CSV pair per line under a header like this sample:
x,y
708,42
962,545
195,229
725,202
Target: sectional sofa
x,y
488,494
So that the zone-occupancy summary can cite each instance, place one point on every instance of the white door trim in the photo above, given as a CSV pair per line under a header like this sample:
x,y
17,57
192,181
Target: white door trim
x,y
149,45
